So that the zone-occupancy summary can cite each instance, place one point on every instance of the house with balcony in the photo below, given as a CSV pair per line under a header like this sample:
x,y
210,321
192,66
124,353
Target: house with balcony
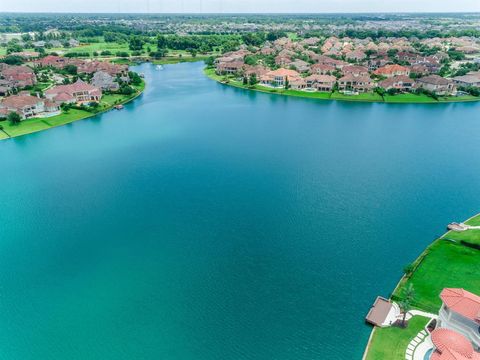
x,y
460,312
279,77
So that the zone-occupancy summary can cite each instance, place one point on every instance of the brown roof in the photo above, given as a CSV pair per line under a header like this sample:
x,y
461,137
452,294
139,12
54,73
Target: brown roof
x,y
434,80
379,311
20,101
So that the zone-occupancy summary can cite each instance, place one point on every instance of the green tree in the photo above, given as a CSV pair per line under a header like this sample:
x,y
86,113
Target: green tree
x,y
406,302
135,43
14,118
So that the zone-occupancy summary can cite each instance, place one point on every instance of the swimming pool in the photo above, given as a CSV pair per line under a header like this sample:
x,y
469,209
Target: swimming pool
x,y
428,354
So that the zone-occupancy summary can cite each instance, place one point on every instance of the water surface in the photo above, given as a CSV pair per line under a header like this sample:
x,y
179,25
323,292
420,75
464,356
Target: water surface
x,y
204,222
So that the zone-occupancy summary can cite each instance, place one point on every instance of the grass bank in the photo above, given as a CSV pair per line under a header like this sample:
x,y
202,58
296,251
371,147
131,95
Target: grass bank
x,y
447,262
391,343
39,124
363,97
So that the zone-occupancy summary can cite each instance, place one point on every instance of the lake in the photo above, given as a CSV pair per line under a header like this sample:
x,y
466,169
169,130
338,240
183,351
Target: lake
x,y
205,222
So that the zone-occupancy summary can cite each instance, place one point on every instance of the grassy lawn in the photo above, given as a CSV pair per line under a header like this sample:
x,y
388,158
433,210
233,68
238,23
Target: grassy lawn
x,y
430,277
366,97
409,98
391,343
445,263
359,97
38,124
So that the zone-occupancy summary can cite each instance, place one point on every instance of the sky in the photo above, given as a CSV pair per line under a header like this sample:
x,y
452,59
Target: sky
x,y
238,6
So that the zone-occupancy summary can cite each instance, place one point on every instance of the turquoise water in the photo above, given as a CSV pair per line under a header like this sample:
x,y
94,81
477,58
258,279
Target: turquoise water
x,y
204,222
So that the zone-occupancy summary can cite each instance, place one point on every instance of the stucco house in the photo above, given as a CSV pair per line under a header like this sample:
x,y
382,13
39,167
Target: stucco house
x,y
460,312
279,77
437,85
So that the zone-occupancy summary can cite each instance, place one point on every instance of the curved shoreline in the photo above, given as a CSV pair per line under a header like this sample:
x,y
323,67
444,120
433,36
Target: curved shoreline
x,y
125,101
327,96
416,263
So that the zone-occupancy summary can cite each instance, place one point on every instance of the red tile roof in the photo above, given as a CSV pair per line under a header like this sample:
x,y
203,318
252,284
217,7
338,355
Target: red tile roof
x,y
462,302
450,345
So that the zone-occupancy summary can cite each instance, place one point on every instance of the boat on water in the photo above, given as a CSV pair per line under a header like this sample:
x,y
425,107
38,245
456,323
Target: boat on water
x,y
159,67
119,107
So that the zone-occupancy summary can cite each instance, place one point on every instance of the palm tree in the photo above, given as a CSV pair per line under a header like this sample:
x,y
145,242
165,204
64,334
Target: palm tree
x,y
406,303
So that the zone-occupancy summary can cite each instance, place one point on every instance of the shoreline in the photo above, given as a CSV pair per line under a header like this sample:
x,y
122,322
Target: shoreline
x,y
317,95
45,120
416,263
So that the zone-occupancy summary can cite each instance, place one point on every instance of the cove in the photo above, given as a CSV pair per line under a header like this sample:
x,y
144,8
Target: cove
x,y
209,222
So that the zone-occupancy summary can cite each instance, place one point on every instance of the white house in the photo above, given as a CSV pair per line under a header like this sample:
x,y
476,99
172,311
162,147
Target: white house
x,y
460,312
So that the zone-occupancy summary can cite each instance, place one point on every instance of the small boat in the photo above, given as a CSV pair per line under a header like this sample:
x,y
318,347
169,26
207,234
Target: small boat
x,y
159,67
119,107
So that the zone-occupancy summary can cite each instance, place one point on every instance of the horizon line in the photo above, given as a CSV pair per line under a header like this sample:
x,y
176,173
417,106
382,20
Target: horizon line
x,y
244,13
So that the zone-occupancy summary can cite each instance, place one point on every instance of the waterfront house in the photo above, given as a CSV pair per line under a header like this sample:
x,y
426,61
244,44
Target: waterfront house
x,y
28,106
297,83
470,79
257,70
399,82
437,85
460,312
79,92
451,345
279,77
230,67
361,83
321,82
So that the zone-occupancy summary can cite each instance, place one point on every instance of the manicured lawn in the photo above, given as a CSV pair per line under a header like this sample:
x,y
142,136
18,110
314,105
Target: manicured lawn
x,y
446,264
39,124
409,98
366,97
359,97
391,343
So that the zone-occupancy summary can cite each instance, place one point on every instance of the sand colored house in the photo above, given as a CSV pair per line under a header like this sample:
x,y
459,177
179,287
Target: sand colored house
x,y
28,106
437,85
399,82
279,77
361,83
321,82
322,69
79,92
